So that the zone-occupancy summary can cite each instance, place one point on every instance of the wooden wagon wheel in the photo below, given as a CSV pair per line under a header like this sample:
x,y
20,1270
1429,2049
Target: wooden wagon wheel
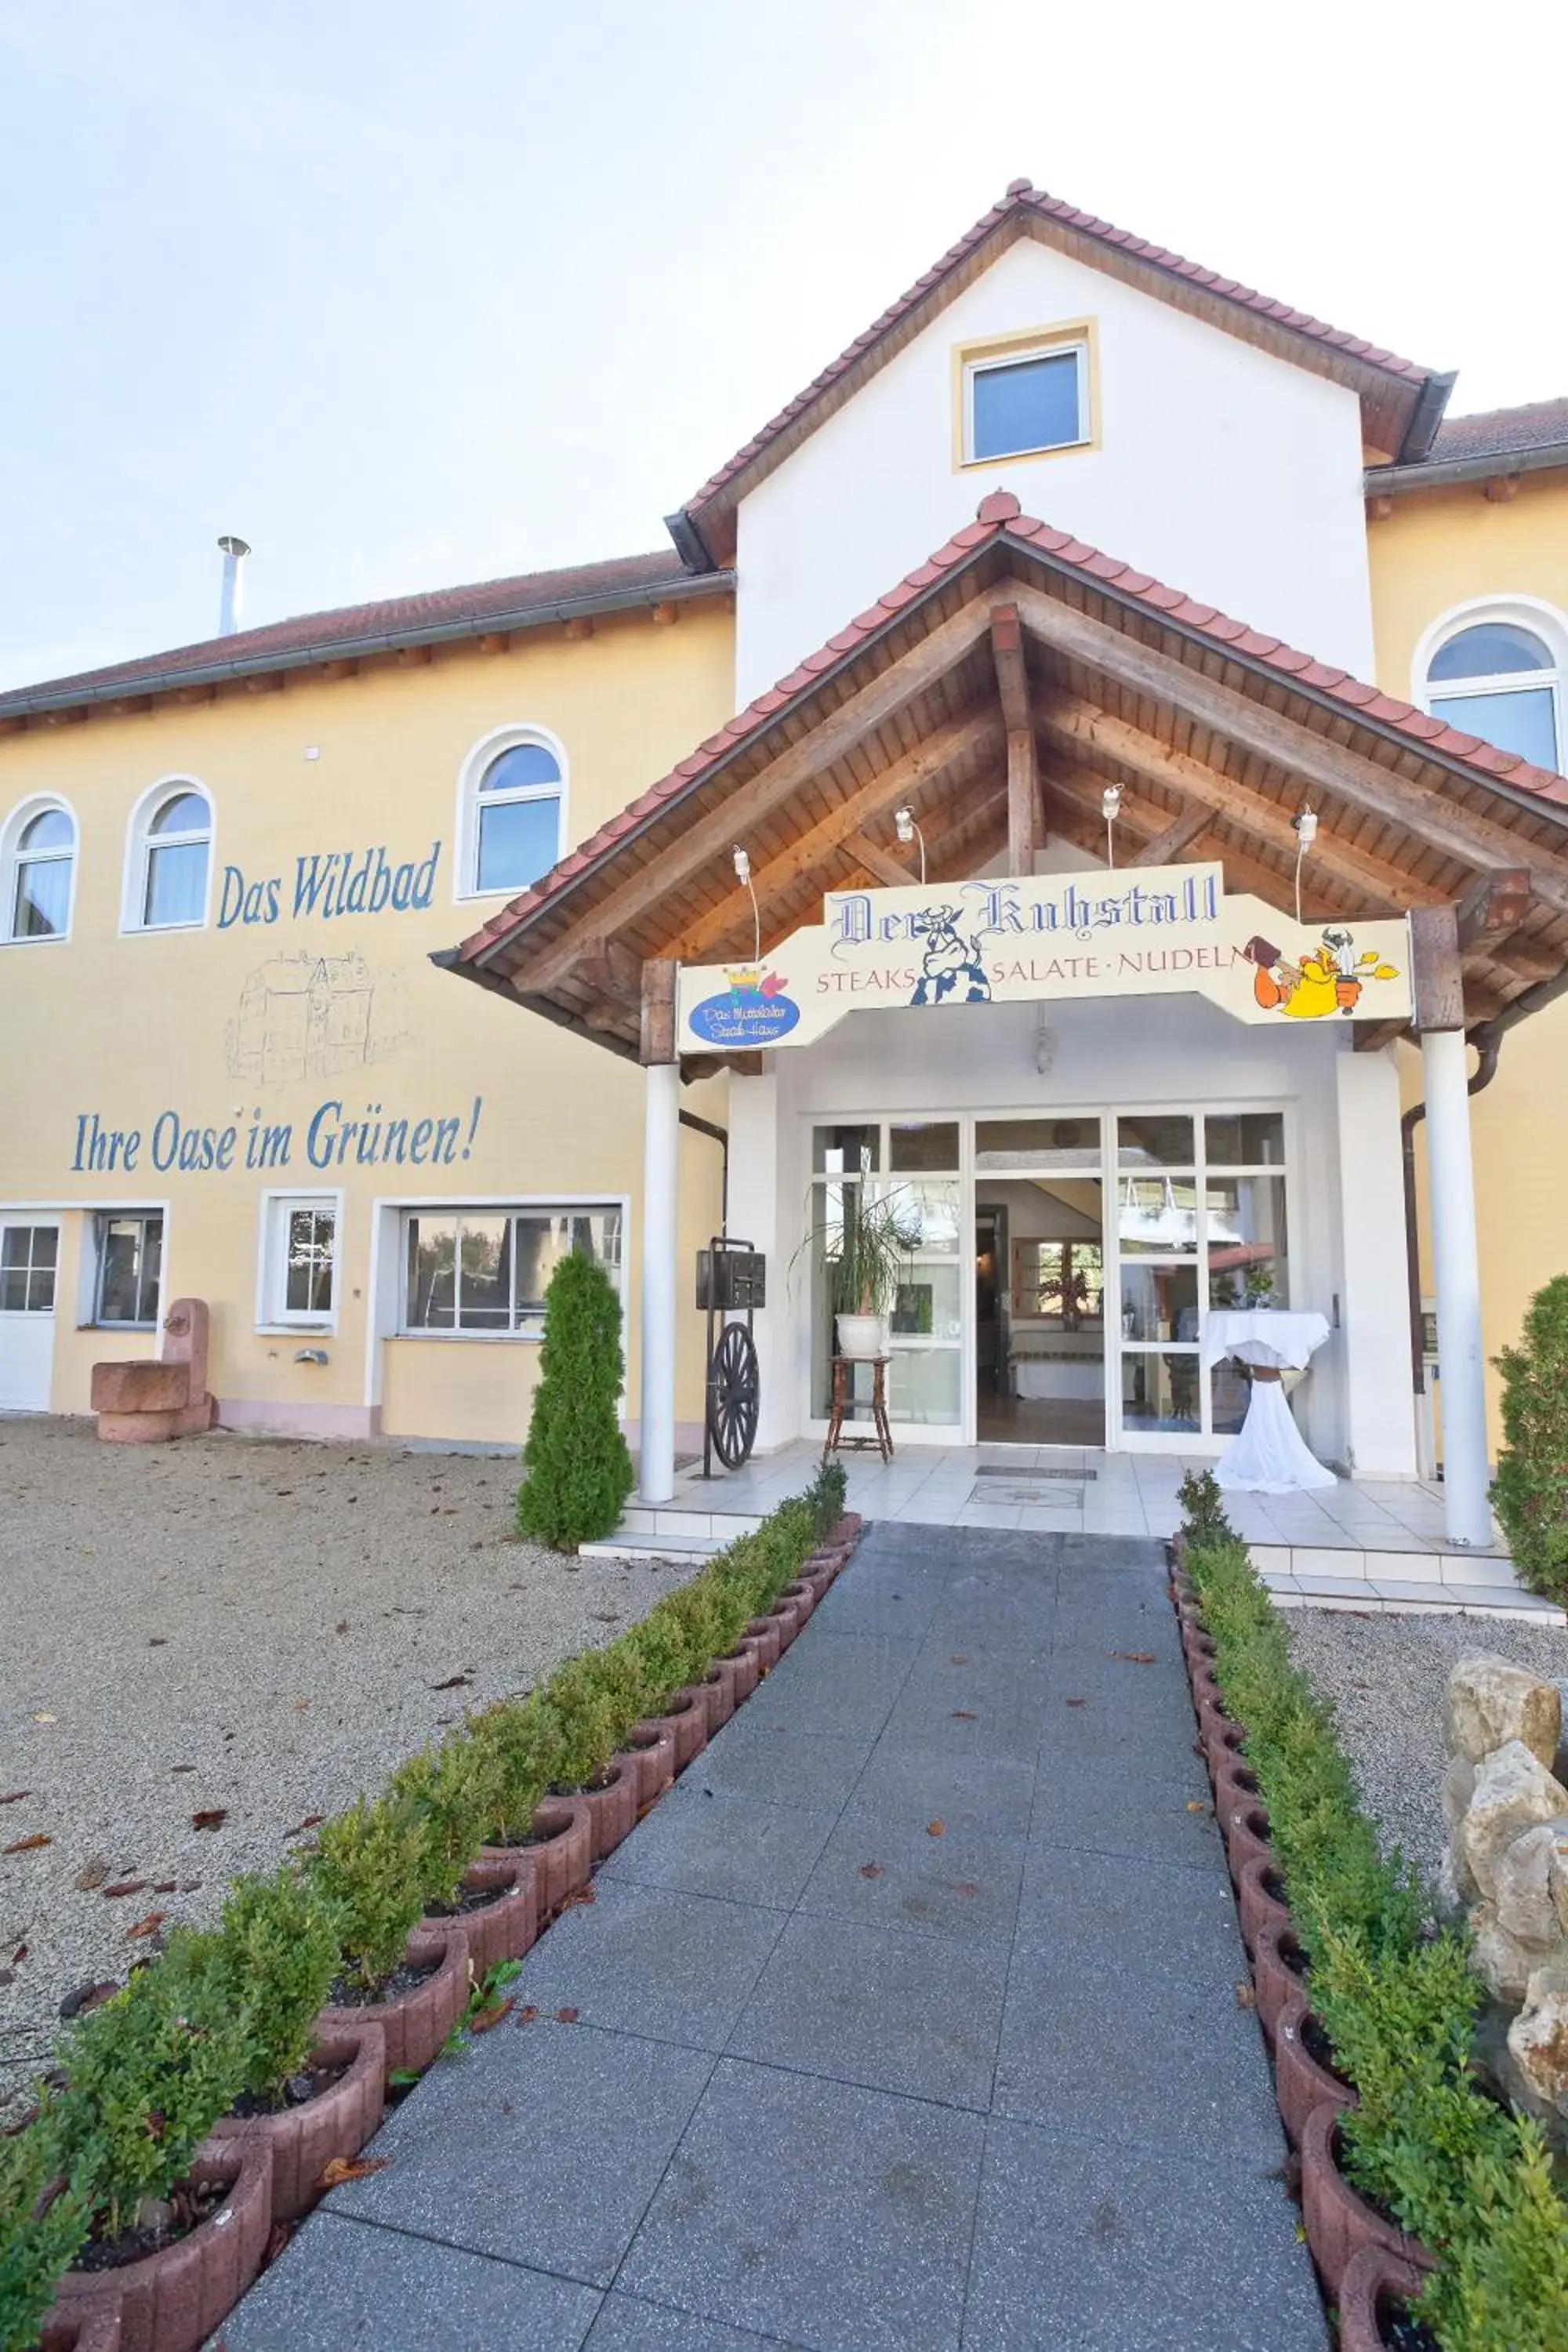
x,y
734,1386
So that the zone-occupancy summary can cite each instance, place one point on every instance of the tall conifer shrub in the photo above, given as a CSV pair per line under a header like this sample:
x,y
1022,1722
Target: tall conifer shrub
x,y
1530,1491
579,1471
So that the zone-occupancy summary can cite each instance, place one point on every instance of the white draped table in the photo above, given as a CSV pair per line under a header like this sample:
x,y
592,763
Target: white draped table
x,y
1268,1454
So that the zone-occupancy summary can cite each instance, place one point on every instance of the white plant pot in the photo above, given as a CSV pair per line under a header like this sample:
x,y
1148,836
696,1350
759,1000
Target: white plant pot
x,y
862,1337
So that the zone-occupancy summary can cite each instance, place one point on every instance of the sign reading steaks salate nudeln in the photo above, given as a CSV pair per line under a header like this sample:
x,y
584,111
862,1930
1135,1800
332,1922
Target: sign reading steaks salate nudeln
x,y
1165,932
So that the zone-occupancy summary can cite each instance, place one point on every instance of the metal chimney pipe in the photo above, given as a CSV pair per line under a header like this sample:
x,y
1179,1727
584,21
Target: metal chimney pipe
x,y
235,551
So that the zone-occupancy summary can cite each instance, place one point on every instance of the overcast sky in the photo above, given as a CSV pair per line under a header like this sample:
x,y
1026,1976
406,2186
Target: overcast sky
x,y
412,292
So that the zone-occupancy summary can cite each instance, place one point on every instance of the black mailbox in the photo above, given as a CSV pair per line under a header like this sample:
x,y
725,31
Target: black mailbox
x,y
731,1280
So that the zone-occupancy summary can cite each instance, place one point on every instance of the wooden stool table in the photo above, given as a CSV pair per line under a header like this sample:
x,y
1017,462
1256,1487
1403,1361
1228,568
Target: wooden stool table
x,y
845,1402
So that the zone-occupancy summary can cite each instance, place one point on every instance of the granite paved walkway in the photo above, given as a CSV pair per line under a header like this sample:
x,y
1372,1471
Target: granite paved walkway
x,y
908,2020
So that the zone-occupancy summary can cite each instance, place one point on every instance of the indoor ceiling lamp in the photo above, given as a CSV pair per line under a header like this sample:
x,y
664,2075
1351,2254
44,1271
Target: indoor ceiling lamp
x,y
1305,829
908,830
743,874
1110,809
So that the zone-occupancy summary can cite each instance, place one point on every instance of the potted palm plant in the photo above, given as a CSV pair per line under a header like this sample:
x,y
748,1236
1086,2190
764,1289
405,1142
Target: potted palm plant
x,y
868,1251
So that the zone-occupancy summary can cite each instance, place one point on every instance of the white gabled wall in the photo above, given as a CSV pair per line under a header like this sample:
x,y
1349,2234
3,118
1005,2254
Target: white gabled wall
x,y
1219,469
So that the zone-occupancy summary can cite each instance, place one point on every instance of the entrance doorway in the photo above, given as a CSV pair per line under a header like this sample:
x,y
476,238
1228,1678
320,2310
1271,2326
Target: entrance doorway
x,y
1039,1282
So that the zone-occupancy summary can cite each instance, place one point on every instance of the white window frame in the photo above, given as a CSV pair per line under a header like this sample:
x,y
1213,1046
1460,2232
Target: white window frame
x,y
272,1316
138,848
465,871
98,1220
985,362
11,862
552,1204
1541,619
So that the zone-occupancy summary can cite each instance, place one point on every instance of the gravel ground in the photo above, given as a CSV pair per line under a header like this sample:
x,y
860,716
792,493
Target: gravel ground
x,y
238,1625
1387,1676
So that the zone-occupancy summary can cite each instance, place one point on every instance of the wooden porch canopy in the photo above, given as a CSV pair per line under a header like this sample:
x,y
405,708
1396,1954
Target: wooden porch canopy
x,y
995,693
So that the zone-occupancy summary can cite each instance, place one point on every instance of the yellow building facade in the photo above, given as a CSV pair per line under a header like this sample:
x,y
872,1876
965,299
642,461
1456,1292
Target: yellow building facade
x,y
231,1070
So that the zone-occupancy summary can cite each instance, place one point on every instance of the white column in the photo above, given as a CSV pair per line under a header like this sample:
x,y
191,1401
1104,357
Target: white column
x,y
1373,1342
659,1242
1456,1261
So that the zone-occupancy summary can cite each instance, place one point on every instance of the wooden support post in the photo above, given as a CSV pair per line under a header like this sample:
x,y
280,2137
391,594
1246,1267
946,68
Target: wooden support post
x,y
658,1010
878,861
1024,829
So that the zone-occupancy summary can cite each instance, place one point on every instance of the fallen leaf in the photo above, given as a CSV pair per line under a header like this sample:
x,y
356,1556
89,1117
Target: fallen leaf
x,y
527,2015
957,1661
278,2238
18,1956
165,1886
124,1887
43,1715
870,1870
1196,1805
14,1796
189,1886
965,1715
566,2016
490,2015
211,1817
969,1886
309,1822
158,1642
583,1895
182,1767
936,1829
7,1976
453,1682
341,1626
147,1926
299,1707
351,2168
1133,1657
29,1844
1078,1702
91,1873
1246,1996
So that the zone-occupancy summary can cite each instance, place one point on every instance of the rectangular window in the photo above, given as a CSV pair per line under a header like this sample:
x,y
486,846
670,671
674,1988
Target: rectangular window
x,y
1018,403
301,1268
28,1254
487,1270
129,1262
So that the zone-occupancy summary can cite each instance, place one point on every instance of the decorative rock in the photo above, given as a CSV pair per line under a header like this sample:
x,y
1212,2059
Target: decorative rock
x,y
1457,1890
1513,1791
1532,1887
1458,1788
1538,2038
1491,1703
1503,1964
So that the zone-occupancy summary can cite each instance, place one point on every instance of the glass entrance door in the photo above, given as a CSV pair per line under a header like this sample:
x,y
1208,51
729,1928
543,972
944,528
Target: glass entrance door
x,y
906,1171
1039,1279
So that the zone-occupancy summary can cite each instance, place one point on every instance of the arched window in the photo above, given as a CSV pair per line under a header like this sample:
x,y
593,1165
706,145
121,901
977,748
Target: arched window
x,y
171,860
40,873
512,812
1499,678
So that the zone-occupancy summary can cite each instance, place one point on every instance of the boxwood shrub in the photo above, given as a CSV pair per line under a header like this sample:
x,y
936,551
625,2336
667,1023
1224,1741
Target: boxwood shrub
x,y
138,2083
1395,1992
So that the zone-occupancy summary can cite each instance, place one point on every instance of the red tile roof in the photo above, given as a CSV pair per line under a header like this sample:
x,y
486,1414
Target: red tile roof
x,y
1502,432
521,600
1000,517
1022,205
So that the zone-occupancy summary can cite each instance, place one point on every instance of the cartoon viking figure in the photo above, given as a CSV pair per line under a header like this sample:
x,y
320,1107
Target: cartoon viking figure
x,y
1327,980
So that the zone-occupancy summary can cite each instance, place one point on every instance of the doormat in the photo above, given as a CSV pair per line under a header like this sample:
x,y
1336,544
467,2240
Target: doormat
x,y
1021,1478
1035,1497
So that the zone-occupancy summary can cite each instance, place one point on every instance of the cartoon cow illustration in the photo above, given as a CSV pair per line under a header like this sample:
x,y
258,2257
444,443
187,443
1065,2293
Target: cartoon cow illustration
x,y
950,969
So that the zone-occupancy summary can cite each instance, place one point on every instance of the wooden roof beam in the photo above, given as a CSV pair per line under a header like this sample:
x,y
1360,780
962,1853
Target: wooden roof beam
x,y
1352,776
967,739
1494,904
1079,793
879,862
712,833
1084,726
1178,835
